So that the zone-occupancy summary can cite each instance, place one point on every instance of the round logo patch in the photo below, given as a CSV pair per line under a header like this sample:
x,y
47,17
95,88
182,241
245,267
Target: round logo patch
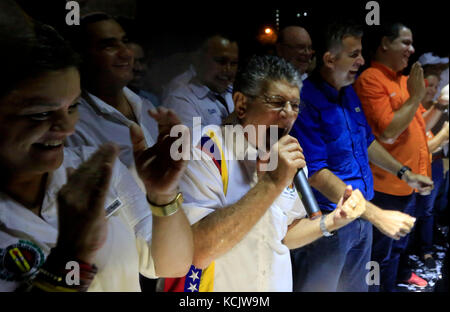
x,y
20,260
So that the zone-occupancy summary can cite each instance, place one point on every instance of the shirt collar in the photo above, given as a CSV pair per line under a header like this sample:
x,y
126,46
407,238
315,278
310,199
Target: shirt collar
x,y
326,89
134,99
201,91
386,70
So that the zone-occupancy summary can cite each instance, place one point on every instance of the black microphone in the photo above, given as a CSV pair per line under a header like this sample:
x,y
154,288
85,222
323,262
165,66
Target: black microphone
x,y
306,195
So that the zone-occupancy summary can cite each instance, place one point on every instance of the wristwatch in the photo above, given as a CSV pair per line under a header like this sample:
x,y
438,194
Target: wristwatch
x,y
323,228
169,209
402,171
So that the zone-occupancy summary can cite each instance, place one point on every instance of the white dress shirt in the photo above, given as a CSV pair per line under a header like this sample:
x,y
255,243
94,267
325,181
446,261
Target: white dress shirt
x,y
196,100
126,252
260,262
178,81
100,123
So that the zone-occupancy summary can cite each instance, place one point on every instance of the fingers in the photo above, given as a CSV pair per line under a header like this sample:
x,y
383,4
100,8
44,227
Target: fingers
x,y
287,139
355,204
91,180
137,138
347,192
69,171
164,116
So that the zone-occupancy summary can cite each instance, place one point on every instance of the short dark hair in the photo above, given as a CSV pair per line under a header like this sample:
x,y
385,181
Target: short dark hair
x,y
253,76
388,29
78,35
41,50
332,36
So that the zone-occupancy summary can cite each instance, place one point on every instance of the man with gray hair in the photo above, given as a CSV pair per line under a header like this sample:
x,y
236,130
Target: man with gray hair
x,y
295,46
244,218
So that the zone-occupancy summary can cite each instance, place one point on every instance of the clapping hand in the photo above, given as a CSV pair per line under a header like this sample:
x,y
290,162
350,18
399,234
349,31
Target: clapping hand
x,y
156,167
81,212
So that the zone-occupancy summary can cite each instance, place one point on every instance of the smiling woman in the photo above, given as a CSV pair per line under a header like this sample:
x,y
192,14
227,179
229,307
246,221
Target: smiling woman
x,y
38,115
94,218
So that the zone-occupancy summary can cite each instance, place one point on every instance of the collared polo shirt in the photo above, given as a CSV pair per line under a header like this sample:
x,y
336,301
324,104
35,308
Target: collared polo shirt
x,y
383,92
334,134
101,123
195,100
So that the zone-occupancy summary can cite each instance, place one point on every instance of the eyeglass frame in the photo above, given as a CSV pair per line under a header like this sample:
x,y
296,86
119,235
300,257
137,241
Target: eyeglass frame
x,y
266,100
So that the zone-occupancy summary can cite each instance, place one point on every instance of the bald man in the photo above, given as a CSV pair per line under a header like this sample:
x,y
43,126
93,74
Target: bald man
x,y
207,94
295,46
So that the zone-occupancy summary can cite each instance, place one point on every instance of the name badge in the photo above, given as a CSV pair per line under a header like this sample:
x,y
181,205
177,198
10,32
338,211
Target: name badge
x,y
112,208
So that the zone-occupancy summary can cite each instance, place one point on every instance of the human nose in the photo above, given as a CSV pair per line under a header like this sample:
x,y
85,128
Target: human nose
x,y
125,51
361,60
64,122
288,109
411,49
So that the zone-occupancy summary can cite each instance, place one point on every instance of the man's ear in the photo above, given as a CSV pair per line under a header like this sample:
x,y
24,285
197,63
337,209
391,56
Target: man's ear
x,y
240,104
385,42
329,60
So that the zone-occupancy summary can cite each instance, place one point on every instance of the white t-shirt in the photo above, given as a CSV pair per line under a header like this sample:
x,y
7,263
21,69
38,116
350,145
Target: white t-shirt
x,y
126,252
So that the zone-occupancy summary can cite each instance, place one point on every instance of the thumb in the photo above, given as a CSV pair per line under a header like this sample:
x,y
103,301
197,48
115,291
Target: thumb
x,y
347,193
69,171
137,138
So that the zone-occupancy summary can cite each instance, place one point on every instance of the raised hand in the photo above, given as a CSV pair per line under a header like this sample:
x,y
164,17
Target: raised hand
x,y
81,212
290,159
416,82
157,169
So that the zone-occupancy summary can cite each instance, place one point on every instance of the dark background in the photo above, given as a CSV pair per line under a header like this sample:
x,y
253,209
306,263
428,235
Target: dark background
x,y
168,27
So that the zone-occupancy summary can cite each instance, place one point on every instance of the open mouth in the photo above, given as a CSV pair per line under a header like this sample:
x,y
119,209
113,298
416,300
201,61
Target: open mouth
x,y
51,145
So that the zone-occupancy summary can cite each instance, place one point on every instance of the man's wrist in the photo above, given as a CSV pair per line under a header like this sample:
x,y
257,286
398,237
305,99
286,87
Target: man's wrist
x,y
270,185
161,199
372,213
404,173
328,221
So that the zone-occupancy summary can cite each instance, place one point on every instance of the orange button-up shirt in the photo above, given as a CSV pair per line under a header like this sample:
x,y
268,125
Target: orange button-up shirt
x,y
382,92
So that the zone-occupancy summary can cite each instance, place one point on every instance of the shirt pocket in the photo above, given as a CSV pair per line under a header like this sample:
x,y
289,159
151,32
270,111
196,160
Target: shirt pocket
x,y
336,137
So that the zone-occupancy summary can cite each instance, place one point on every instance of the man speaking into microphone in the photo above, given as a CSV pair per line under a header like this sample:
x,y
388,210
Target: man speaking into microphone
x,y
338,145
244,217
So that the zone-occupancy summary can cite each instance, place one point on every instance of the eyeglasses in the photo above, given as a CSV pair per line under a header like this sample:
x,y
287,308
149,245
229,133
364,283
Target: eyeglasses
x,y
278,103
300,48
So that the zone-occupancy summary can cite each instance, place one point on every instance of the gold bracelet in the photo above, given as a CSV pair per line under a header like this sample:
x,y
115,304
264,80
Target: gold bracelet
x,y
169,209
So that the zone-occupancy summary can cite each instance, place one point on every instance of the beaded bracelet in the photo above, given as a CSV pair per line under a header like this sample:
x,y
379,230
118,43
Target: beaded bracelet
x,y
51,276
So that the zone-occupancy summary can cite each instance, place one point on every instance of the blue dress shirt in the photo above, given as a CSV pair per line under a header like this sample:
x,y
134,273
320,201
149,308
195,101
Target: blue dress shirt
x,y
334,134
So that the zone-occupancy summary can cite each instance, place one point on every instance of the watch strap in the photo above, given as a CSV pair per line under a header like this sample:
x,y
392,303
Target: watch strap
x,y
402,171
323,228
168,209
